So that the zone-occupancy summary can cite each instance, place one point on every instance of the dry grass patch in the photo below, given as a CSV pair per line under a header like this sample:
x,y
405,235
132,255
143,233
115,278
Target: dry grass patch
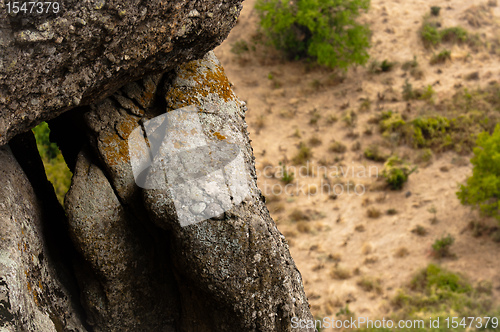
x,y
340,273
298,215
373,213
337,147
369,284
401,252
420,230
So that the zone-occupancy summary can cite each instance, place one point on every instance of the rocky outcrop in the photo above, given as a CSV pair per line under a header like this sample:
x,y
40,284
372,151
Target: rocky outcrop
x,y
32,297
230,272
54,61
163,228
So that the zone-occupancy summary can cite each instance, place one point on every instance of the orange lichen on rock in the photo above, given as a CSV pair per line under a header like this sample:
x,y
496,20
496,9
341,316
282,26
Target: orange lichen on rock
x,y
114,145
114,149
219,135
208,81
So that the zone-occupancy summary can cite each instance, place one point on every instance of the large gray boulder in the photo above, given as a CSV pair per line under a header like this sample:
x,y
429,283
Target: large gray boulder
x,y
53,62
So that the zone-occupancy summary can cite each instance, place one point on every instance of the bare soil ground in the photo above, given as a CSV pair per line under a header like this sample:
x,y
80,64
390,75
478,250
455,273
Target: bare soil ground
x,y
334,243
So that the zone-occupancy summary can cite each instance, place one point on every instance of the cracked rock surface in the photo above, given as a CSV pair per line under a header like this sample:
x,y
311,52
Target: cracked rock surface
x,y
56,61
163,228
230,272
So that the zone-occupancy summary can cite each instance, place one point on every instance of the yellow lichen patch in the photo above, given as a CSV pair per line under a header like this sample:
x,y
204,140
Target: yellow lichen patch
x,y
219,136
208,81
114,146
114,150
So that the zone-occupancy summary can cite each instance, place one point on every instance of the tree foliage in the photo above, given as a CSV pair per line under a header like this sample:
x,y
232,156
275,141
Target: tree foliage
x,y
325,30
55,167
483,187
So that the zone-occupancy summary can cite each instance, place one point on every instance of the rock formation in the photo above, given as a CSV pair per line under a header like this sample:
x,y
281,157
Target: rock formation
x,y
119,258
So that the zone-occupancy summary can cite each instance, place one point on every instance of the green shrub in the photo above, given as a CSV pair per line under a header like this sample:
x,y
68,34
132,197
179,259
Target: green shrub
x,y
425,129
438,293
303,155
454,35
430,34
286,176
424,157
441,247
373,153
240,47
483,187
408,65
435,10
377,67
337,147
350,118
325,30
408,92
391,122
434,278
441,57
396,172
427,93
55,167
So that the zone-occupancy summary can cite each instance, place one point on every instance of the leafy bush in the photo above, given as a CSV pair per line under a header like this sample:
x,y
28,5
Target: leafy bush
x,y
483,187
408,65
377,67
391,122
239,47
441,57
428,128
287,177
435,10
454,35
441,248
427,93
303,155
337,147
438,293
55,167
325,30
430,34
396,172
408,92
373,153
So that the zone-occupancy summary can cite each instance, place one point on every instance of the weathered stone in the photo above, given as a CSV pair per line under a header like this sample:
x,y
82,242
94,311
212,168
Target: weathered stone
x,y
32,298
53,62
219,283
123,287
217,256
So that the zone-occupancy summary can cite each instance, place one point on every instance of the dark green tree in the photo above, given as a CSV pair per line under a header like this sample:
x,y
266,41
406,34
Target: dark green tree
x,y
482,189
325,30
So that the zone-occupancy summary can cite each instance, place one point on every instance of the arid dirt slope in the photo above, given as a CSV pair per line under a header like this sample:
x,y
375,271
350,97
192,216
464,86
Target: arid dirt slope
x,y
337,239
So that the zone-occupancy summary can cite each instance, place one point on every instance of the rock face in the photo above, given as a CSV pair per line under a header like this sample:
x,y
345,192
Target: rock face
x,y
56,61
31,296
181,241
231,272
